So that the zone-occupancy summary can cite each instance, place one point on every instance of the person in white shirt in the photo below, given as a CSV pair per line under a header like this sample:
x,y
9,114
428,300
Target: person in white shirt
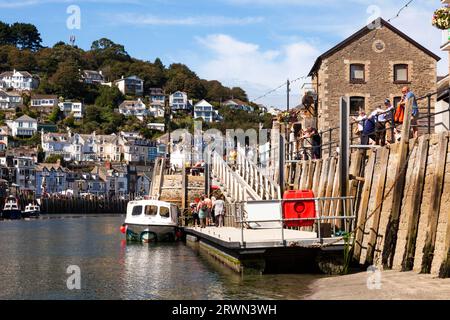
x,y
219,211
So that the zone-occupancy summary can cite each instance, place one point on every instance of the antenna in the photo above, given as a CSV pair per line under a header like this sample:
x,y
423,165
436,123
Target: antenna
x,y
72,40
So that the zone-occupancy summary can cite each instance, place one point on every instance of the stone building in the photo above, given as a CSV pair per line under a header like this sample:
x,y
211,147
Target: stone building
x,y
371,65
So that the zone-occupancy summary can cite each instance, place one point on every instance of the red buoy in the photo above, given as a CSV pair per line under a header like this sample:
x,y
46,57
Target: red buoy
x,y
123,228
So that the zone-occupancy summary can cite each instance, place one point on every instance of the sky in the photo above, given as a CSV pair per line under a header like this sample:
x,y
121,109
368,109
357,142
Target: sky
x,y
254,44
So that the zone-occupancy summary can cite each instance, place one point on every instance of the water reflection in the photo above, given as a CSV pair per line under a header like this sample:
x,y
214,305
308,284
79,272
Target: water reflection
x,y
34,256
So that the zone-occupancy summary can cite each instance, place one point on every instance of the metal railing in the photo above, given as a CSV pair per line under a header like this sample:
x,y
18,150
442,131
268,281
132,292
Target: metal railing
x,y
340,219
330,141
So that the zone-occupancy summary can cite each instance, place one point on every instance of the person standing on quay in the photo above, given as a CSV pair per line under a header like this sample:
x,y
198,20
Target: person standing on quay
x,y
219,211
202,209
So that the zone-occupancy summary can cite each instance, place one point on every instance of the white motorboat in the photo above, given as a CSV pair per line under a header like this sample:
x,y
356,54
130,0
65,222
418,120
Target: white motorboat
x,y
151,220
31,211
11,209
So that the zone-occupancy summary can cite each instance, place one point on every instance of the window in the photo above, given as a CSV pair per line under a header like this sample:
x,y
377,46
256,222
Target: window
x,y
357,73
151,210
164,212
396,101
401,73
356,104
136,211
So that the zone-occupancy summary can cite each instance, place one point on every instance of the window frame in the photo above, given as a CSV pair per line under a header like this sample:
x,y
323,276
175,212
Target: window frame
x,y
395,67
151,215
357,80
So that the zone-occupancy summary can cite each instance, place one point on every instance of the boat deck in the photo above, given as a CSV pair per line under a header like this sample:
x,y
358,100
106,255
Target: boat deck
x,y
231,238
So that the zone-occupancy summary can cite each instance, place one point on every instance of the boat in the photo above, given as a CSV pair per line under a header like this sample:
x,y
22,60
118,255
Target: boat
x,y
151,221
11,209
31,211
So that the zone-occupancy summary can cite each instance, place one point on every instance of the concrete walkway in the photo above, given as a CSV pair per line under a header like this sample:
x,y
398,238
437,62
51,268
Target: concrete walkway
x,y
394,285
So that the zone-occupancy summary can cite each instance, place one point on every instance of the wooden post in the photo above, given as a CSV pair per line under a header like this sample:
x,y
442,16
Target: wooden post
x,y
436,193
390,240
365,195
384,159
413,208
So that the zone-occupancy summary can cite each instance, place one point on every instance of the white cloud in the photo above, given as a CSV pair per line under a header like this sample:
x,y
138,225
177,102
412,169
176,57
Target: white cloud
x,y
233,60
139,19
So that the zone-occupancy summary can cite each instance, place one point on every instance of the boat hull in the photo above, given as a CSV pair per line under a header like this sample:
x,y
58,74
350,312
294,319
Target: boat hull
x,y
12,214
151,233
30,214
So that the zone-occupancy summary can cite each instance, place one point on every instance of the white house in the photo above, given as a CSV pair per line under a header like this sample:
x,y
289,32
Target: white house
x,y
56,144
71,107
130,86
156,126
157,95
4,133
135,108
205,110
9,99
24,126
179,101
44,101
156,109
25,173
92,77
19,80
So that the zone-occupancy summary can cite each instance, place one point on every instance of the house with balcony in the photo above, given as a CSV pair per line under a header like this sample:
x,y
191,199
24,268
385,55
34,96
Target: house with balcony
x,y
157,95
237,104
178,101
368,67
18,80
24,126
25,173
44,102
203,109
107,147
56,144
74,108
51,178
135,108
10,99
92,77
133,86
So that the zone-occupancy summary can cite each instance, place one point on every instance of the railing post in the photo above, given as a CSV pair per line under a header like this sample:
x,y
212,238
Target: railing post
x,y
429,113
282,225
330,143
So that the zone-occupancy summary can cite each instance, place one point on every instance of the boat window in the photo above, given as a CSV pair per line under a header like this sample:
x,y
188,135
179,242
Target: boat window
x,y
151,210
136,211
164,212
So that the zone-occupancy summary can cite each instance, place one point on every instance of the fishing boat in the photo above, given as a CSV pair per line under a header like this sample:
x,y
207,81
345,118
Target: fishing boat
x,y
151,220
31,211
11,209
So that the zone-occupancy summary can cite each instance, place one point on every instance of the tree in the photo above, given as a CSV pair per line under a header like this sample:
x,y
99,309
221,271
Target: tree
x,y
67,80
239,93
109,97
54,116
106,49
25,36
5,34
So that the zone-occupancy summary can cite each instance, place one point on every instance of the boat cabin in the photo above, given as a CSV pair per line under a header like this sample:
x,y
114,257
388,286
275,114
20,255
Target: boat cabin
x,y
152,212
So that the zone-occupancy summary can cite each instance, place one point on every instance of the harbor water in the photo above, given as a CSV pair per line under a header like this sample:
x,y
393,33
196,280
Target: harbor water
x,y
35,257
